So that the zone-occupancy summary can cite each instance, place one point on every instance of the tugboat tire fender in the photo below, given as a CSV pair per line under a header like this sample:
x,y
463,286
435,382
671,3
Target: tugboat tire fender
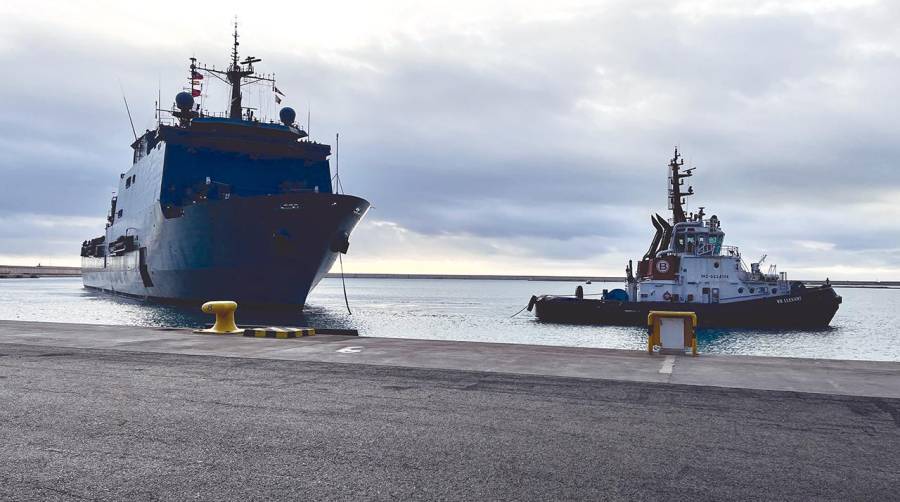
x,y
531,302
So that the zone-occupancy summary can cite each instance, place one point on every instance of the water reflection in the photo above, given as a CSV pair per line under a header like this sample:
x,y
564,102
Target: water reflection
x,y
149,313
471,310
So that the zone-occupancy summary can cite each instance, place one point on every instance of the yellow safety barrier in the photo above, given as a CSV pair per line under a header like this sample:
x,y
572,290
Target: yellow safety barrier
x,y
277,332
224,311
655,322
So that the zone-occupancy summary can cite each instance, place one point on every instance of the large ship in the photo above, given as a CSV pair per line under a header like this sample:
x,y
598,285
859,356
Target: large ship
x,y
223,206
688,267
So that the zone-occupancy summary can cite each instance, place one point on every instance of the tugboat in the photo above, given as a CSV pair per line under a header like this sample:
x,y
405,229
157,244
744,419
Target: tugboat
x,y
223,205
688,268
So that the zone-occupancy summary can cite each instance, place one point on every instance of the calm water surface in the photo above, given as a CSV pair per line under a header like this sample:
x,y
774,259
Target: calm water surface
x,y
865,326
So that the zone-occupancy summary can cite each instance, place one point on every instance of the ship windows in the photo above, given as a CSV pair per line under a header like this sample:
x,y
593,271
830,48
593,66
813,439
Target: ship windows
x,y
130,181
751,290
705,291
715,264
774,290
741,290
690,298
119,214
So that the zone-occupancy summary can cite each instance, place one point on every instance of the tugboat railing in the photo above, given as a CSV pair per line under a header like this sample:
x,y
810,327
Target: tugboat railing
x,y
710,249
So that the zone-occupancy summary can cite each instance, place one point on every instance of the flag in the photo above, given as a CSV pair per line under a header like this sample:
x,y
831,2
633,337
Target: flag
x,y
196,75
195,92
277,91
277,99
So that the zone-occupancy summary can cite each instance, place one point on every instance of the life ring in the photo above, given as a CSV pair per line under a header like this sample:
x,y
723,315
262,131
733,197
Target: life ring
x,y
667,296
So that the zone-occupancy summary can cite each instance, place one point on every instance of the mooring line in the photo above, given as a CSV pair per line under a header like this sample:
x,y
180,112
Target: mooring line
x,y
344,284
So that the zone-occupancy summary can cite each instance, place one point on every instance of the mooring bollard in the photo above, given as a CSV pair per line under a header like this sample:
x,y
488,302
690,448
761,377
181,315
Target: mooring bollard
x,y
224,311
673,332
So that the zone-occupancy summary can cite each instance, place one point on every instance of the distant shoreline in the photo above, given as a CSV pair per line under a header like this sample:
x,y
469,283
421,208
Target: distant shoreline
x,y
11,271
581,278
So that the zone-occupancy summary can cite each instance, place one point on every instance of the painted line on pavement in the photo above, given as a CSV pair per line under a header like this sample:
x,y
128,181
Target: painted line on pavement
x,y
667,365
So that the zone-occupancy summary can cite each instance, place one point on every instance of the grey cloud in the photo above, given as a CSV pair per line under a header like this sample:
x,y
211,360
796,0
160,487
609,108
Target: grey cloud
x,y
545,133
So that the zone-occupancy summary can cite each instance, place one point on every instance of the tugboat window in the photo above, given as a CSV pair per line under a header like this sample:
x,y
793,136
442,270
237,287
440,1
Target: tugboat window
x,y
774,290
740,290
689,246
751,290
716,264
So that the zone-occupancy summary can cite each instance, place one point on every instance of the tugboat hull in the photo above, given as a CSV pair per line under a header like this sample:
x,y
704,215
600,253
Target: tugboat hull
x,y
804,308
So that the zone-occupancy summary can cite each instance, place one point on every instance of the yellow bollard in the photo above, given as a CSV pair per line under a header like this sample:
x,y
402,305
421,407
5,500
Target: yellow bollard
x,y
224,311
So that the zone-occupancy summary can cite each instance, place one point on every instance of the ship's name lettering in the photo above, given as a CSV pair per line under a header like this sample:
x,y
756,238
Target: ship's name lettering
x,y
714,276
789,300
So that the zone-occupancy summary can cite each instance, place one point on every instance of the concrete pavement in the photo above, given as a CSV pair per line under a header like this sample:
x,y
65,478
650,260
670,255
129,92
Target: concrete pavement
x,y
120,413
99,424
862,378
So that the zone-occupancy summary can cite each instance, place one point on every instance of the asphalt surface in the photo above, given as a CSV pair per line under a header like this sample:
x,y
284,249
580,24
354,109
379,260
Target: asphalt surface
x,y
112,425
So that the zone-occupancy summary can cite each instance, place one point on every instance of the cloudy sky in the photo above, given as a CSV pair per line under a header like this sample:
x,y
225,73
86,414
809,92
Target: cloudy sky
x,y
493,137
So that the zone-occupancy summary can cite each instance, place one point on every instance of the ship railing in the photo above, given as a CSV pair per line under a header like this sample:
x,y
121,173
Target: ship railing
x,y
731,251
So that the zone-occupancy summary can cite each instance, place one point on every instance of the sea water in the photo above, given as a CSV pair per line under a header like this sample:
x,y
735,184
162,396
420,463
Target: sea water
x,y
865,327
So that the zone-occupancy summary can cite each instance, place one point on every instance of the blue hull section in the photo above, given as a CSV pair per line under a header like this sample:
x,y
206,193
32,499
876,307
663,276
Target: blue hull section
x,y
263,250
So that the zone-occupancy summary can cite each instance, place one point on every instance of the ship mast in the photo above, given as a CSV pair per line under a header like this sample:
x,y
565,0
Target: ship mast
x,y
676,196
235,74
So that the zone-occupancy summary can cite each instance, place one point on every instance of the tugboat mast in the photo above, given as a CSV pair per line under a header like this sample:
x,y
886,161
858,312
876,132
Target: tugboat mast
x,y
676,196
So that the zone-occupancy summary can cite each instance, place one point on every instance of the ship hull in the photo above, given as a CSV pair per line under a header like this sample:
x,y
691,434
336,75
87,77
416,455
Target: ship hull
x,y
266,250
804,308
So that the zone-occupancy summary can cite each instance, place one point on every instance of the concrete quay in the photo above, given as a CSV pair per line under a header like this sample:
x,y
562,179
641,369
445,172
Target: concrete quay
x,y
114,412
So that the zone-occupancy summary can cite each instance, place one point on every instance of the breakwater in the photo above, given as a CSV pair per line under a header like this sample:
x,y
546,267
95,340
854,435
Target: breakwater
x,y
16,271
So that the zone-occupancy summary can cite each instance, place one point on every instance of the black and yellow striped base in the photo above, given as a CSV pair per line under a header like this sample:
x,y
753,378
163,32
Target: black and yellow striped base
x,y
274,332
